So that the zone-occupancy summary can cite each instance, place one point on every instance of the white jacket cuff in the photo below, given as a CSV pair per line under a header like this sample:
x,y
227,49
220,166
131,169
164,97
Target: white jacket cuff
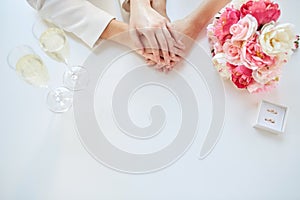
x,y
79,17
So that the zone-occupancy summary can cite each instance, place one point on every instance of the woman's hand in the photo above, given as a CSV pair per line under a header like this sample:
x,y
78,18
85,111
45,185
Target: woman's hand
x,y
188,33
159,33
118,32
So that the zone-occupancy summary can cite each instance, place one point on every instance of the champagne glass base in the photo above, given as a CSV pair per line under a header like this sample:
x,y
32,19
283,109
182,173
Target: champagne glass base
x,y
76,78
59,100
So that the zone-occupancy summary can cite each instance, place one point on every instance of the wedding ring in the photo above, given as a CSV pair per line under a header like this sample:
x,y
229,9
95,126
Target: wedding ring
x,y
270,120
272,111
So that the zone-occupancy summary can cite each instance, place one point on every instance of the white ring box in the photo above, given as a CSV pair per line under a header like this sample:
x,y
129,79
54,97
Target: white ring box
x,y
271,117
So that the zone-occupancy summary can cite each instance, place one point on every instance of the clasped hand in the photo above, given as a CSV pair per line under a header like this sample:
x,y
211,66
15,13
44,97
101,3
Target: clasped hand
x,y
154,36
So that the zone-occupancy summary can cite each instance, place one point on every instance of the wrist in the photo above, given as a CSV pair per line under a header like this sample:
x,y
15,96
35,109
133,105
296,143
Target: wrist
x,y
197,22
113,28
158,4
139,4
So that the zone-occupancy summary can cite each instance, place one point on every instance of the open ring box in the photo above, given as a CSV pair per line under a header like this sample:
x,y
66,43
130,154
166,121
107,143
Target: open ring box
x,y
271,117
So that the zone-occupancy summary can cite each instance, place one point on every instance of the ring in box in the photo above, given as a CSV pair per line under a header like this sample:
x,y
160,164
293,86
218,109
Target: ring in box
x,y
271,117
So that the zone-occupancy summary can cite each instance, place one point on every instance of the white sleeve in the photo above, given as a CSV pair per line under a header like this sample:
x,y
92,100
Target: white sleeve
x,y
80,17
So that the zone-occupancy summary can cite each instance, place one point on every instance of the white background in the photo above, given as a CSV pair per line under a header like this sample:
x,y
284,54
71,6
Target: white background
x,y
41,156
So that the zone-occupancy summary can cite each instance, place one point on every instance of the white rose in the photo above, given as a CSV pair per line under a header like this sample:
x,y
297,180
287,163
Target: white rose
x,y
219,61
276,39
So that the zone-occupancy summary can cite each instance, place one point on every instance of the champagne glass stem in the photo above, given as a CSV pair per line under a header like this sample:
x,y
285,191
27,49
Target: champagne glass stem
x,y
73,75
59,99
67,64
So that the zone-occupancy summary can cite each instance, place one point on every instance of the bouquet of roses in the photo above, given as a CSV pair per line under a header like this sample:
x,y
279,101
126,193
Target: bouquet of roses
x,y
249,46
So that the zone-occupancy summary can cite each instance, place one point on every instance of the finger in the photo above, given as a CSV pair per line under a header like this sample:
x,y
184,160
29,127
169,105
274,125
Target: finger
x,y
163,46
153,45
179,53
171,68
159,66
150,62
156,67
175,50
166,70
148,51
175,35
134,34
170,41
178,58
151,57
173,64
168,66
161,70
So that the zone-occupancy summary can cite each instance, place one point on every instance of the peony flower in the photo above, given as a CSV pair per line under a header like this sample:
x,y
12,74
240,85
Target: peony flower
x,y
219,61
248,46
254,56
264,11
222,25
244,29
241,76
265,75
277,38
257,87
233,52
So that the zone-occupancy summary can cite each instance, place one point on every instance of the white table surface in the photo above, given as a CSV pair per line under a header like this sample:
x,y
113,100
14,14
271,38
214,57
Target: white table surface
x,y
41,156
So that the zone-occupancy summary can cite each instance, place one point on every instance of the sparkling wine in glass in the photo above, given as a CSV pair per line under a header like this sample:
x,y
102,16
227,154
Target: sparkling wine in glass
x,y
30,67
54,43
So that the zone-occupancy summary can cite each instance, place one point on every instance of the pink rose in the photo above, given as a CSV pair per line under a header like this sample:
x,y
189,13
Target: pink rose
x,y
222,25
254,56
241,76
233,52
264,11
244,29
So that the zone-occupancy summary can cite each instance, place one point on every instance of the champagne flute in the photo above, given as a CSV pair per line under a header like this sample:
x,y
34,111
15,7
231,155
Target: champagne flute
x,y
30,67
54,43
